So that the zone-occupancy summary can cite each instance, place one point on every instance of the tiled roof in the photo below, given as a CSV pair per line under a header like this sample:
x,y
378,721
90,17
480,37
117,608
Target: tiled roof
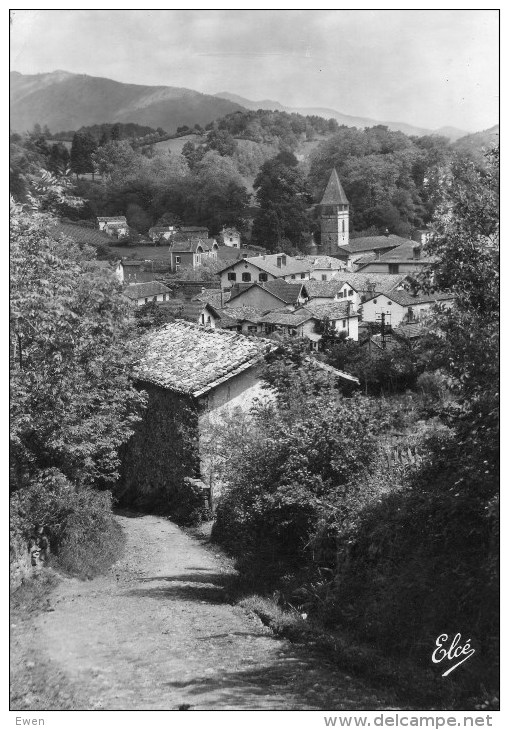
x,y
193,229
326,289
407,298
334,193
112,219
189,359
404,254
81,234
191,245
371,243
322,262
268,264
409,331
145,289
382,282
243,313
334,310
214,297
287,292
284,317
332,371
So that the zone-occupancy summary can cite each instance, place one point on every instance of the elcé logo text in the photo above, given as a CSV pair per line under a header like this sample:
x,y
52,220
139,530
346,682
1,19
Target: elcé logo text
x,y
455,650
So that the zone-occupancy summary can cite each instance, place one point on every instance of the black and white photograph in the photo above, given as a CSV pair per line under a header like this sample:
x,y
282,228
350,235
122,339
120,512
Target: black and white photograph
x,y
254,365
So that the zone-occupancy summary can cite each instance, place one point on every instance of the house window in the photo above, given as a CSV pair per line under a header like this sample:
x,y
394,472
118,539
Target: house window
x,y
263,277
343,323
177,259
251,328
389,302
203,319
146,300
393,268
303,276
231,239
375,301
154,299
340,295
292,276
324,277
350,292
232,276
246,276
177,267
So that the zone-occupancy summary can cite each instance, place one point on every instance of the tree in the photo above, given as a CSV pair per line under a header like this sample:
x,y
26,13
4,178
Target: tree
x,y
83,147
72,399
283,198
116,160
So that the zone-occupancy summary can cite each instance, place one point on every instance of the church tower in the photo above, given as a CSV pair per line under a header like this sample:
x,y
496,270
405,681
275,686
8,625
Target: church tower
x,y
334,213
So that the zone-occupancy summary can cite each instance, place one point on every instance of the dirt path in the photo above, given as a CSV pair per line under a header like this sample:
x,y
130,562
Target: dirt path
x,y
156,633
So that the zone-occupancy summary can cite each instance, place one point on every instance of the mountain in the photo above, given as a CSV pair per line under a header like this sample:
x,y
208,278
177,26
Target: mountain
x,y
348,120
62,100
479,141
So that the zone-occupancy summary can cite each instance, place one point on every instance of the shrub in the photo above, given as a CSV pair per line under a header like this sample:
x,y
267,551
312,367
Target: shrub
x,y
84,536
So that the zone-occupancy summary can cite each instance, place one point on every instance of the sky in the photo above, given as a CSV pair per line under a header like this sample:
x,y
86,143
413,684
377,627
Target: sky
x,y
430,68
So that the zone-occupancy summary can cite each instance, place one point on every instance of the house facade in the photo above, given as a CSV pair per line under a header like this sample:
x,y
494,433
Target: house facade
x,y
264,268
192,253
230,237
190,374
161,233
267,295
113,226
408,258
402,307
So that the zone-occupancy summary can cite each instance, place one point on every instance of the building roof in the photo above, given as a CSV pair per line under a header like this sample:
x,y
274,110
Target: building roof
x,y
409,331
112,219
131,262
382,282
334,193
145,289
193,360
193,229
372,243
332,310
161,229
243,313
190,245
322,262
286,291
289,319
407,299
215,297
404,254
268,264
324,289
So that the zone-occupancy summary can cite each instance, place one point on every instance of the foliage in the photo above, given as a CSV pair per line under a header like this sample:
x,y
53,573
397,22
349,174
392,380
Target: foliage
x,y
283,198
82,150
391,180
299,456
83,535
72,402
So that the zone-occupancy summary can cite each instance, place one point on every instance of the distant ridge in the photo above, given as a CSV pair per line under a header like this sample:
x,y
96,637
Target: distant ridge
x,y
63,100
350,121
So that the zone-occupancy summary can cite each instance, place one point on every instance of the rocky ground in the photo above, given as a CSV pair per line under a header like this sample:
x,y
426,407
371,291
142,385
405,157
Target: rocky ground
x,y
157,632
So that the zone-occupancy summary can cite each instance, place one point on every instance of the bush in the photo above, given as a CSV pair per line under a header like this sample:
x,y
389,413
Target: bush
x,y
84,536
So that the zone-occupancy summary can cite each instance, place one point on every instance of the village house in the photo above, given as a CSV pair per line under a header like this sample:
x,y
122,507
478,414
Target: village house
x,y
267,295
191,253
161,233
243,319
190,232
115,226
323,268
150,291
189,374
400,307
407,258
229,237
353,287
340,316
264,268
372,247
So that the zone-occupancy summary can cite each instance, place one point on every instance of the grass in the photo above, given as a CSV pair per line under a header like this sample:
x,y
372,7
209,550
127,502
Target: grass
x,y
408,682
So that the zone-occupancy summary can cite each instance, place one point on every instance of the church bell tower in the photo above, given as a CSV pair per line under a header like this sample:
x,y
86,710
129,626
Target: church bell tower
x,y
335,216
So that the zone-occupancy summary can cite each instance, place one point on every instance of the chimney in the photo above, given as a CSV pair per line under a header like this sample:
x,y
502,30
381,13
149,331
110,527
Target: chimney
x,y
417,252
386,233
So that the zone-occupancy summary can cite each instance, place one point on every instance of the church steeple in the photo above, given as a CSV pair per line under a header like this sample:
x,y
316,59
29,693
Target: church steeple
x,y
334,215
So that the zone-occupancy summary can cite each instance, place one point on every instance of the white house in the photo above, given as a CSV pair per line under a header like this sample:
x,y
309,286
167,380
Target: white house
x,y
230,237
158,233
264,268
150,291
401,307
114,226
